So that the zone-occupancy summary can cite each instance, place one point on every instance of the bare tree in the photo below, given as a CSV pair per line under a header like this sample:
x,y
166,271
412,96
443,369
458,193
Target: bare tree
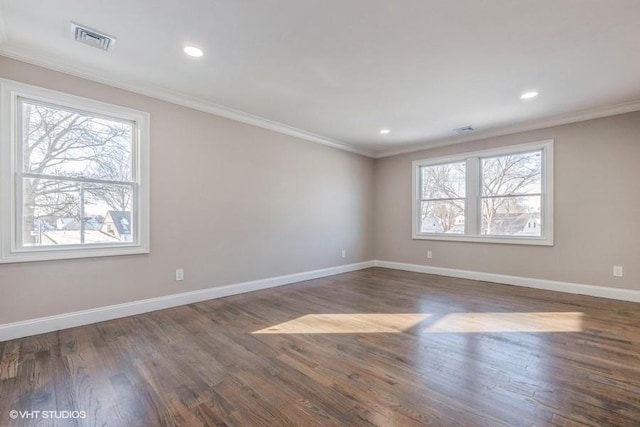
x,y
61,147
506,182
444,186
118,197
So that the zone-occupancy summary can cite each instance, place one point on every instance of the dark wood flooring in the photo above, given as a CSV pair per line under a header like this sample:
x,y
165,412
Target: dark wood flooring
x,y
373,347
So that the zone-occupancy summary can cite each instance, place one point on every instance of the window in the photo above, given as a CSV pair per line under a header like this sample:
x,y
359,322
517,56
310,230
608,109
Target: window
x,y
74,176
497,196
443,198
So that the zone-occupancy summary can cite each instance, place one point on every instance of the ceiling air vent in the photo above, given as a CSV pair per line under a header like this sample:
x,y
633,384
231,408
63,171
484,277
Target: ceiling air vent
x,y
464,129
91,37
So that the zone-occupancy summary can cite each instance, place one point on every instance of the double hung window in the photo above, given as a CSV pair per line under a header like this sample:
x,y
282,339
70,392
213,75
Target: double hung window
x,y
497,196
74,176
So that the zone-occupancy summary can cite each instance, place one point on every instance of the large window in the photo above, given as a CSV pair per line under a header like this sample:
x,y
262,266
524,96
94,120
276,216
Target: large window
x,y
74,176
498,196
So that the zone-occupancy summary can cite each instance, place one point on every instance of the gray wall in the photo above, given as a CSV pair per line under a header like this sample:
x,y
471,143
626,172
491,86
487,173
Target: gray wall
x,y
596,209
229,203
232,203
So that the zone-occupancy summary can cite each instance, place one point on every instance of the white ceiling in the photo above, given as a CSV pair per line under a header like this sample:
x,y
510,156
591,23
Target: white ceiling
x,y
337,71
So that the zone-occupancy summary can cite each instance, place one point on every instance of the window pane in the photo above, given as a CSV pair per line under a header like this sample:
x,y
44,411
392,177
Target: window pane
x,y
442,217
62,142
511,216
443,181
514,174
53,210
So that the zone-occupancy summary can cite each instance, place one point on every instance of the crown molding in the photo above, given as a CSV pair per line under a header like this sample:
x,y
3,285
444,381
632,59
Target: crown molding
x,y
564,119
179,99
240,116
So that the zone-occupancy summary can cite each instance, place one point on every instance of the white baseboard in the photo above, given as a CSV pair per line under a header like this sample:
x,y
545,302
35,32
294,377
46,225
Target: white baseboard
x,y
550,285
41,325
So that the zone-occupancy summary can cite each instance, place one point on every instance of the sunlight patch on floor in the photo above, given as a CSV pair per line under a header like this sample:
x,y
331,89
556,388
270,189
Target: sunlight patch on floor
x,y
355,323
507,322
370,323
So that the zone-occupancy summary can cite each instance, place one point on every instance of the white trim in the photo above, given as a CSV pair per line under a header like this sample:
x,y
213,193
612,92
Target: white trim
x,y
473,211
491,152
473,197
507,240
10,250
184,100
581,116
527,282
42,325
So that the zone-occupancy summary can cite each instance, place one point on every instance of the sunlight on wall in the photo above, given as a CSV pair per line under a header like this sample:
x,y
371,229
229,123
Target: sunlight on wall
x,y
370,323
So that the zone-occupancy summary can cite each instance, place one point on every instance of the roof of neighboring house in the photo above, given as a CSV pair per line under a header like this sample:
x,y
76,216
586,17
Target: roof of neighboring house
x,y
509,223
68,223
431,224
121,220
72,237
92,224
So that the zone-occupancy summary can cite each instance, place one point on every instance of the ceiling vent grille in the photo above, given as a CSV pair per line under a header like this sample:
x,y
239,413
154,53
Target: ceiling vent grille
x,y
91,37
464,129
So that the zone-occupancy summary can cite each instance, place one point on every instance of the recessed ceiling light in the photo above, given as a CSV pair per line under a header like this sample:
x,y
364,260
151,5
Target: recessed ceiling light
x,y
384,131
193,51
529,95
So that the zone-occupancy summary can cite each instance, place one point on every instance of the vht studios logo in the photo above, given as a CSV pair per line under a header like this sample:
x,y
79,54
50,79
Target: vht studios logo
x,y
57,415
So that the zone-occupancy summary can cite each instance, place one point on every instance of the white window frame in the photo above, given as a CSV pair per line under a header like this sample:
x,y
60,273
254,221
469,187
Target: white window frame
x,y
13,251
473,197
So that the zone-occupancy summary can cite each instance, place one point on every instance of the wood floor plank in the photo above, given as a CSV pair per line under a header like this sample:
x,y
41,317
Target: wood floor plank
x,y
374,347
9,360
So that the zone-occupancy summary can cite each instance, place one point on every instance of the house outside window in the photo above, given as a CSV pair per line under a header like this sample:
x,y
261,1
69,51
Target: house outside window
x,y
497,196
68,166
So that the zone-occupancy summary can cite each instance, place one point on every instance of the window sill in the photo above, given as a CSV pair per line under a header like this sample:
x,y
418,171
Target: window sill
x,y
71,253
534,241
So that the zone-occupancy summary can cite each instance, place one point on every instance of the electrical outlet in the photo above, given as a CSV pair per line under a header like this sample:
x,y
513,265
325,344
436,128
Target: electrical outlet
x,y
179,274
429,254
617,271
344,253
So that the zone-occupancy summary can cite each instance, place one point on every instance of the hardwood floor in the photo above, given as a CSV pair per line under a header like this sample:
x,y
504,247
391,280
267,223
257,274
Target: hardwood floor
x,y
373,347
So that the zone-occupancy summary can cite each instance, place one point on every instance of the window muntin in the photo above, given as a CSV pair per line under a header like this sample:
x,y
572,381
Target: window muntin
x,y
74,176
501,196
